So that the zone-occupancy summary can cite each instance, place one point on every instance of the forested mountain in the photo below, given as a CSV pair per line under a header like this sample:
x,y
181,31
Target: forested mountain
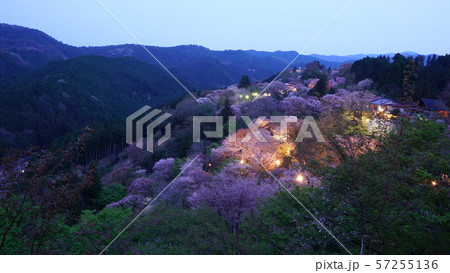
x,y
48,88
27,48
23,49
66,95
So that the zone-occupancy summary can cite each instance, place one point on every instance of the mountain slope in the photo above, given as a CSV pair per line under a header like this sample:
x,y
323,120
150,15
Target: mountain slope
x,y
33,47
67,95
28,49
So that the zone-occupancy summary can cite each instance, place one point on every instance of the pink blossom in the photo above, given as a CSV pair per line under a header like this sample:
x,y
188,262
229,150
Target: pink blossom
x,y
163,169
300,107
231,194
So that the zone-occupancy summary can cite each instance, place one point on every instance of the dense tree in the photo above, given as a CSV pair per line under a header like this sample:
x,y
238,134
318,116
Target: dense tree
x,y
39,192
244,82
387,190
312,70
68,95
409,78
427,79
321,88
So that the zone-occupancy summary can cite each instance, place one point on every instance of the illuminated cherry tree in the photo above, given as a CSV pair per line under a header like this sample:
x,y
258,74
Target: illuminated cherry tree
x,y
232,194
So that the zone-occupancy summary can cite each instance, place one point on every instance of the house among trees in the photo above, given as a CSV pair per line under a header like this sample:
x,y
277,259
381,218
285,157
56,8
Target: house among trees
x,y
432,107
381,104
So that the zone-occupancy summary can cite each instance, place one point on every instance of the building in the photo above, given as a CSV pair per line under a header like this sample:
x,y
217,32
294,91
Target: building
x,y
434,108
381,104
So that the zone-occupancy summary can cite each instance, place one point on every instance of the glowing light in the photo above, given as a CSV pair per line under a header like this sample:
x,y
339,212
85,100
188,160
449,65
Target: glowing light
x,y
23,171
433,183
278,162
247,96
209,165
299,178
242,162
254,94
380,108
240,96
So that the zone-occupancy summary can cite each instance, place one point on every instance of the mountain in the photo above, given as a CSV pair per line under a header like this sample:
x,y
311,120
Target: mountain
x,y
31,47
23,49
66,95
48,88
356,57
287,56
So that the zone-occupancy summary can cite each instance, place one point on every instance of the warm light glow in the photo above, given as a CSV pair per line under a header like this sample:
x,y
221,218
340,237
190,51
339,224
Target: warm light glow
x,y
23,171
380,108
433,183
254,94
278,162
209,165
247,96
281,138
242,162
299,178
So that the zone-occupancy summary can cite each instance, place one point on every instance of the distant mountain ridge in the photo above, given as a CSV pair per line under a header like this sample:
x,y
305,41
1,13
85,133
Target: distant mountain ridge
x,y
356,57
23,49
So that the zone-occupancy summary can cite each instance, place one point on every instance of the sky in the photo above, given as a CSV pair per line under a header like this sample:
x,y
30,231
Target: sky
x,y
367,26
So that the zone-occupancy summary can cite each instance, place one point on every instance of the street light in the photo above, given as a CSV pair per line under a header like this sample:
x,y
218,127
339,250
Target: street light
x,y
299,178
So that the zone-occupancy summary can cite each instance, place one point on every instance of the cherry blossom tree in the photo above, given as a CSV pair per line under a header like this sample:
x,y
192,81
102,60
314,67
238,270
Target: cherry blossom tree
x,y
140,192
142,186
232,194
364,84
265,106
163,169
334,83
245,146
190,180
300,107
345,100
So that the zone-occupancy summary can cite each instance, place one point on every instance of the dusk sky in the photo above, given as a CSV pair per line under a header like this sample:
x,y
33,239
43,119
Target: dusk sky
x,y
380,26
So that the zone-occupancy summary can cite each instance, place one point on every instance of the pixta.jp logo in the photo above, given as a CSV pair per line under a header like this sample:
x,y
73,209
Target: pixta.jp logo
x,y
142,118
